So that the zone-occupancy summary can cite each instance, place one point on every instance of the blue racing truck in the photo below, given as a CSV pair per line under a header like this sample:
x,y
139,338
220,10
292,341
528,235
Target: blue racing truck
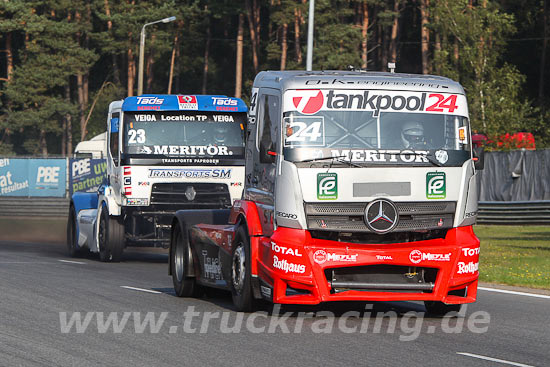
x,y
164,153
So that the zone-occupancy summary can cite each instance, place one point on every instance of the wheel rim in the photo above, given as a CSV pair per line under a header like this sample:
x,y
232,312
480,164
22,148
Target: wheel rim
x,y
179,258
239,268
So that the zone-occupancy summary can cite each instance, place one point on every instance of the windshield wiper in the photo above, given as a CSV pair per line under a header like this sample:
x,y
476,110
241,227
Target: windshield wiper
x,y
339,158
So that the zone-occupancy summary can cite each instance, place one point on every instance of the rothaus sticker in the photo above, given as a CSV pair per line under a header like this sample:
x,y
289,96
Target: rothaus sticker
x,y
311,101
436,185
327,186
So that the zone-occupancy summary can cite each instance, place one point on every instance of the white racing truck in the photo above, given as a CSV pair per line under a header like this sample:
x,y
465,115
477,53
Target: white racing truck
x,y
359,186
164,153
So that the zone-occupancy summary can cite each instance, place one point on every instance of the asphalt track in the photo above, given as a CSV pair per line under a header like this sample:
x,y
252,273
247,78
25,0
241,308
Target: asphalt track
x,y
39,284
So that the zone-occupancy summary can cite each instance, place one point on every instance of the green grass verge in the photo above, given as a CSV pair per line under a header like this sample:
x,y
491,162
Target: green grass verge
x,y
515,255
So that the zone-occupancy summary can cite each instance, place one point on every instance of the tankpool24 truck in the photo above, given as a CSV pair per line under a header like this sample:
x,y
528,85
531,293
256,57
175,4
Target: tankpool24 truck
x,y
164,152
359,186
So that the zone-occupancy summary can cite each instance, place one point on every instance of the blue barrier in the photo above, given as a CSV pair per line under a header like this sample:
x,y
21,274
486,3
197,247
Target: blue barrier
x,y
33,177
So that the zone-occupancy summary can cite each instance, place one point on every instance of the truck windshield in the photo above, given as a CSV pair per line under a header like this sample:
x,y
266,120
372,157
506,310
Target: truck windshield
x,y
184,134
389,138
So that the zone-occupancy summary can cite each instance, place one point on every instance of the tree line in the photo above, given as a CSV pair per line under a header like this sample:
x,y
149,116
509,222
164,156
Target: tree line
x,y
63,61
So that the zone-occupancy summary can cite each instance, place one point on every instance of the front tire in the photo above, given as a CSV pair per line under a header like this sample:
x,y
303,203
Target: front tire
x,y
241,288
110,237
184,286
72,238
441,309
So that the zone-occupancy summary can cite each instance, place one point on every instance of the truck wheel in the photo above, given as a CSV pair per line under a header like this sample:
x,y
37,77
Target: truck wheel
x,y
72,239
184,286
241,289
440,308
110,238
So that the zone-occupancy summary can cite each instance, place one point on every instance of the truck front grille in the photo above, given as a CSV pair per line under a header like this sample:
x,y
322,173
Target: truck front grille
x,y
191,195
349,217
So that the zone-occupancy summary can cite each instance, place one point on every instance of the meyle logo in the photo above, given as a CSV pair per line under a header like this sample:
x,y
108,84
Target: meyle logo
x,y
417,256
321,256
310,102
224,101
150,100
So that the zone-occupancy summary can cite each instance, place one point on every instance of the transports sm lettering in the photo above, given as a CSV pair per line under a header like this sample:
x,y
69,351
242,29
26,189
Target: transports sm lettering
x,y
190,173
288,267
468,268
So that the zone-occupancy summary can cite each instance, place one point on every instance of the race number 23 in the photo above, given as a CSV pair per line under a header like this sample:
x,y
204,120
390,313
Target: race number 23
x,y
441,103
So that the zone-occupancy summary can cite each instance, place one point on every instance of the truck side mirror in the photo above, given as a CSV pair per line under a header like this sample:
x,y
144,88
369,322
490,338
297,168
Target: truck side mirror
x,y
479,158
267,153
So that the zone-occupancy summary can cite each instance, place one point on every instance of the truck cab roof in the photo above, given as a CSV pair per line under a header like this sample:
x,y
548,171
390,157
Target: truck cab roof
x,y
190,102
336,79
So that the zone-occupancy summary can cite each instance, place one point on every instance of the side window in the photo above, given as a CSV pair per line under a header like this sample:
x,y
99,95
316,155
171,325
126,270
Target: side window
x,y
113,136
269,123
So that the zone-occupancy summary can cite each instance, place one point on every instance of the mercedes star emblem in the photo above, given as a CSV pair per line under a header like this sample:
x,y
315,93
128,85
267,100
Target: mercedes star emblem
x,y
381,216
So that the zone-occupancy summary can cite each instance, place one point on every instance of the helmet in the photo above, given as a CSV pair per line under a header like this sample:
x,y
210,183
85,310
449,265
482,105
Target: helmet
x,y
220,134
412,134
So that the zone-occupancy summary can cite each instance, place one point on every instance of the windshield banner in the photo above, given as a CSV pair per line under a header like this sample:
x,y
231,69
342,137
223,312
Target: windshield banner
x,y
311,101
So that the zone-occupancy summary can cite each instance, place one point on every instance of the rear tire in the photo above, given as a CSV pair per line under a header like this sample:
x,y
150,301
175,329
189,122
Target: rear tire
x,y
72,238
241,288
110,237
440,308
184,286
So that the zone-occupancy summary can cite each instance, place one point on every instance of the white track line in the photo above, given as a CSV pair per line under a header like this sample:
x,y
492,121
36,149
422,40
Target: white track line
x,y
140,289
72,262
514,292
494,359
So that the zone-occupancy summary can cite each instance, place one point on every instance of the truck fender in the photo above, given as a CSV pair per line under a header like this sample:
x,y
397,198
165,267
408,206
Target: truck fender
x,y
81,201
186,219
106,195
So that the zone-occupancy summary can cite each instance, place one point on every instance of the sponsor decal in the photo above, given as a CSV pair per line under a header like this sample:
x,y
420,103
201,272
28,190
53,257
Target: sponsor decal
x,y
212,267
321,256
221,173
442,156
150,118
128,180
288,267
390,155
305,131
188,103
80,168
286,215
266,291
186,150
435,185
466,251
127,171
327,186
150,100
310,101
47,175
144,183
384,257
236,184
285,250
224,101
467,268
417,256
127,190
470,214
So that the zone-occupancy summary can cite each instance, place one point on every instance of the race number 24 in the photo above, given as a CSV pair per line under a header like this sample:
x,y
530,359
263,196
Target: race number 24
x,y
442,103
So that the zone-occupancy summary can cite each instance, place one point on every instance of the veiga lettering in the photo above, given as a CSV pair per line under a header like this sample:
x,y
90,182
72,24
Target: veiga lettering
x,y
48,175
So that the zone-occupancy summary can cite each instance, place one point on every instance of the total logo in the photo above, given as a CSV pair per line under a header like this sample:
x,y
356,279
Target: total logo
x,y
470,251
150,100
417,256
467,268
223,101
285,250
310,101
321,256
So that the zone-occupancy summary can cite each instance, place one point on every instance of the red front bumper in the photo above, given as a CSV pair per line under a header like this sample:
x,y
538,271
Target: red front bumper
x,y
292,260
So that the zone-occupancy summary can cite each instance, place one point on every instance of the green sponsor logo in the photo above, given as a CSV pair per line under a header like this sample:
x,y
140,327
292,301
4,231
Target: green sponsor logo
x,y
327,186
435,185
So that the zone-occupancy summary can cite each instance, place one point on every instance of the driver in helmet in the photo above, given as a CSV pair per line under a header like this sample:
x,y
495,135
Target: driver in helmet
x,y
412,135
220,134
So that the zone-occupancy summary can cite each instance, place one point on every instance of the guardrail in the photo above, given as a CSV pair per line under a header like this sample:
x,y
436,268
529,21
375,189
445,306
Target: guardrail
x,y
513,212
34,207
